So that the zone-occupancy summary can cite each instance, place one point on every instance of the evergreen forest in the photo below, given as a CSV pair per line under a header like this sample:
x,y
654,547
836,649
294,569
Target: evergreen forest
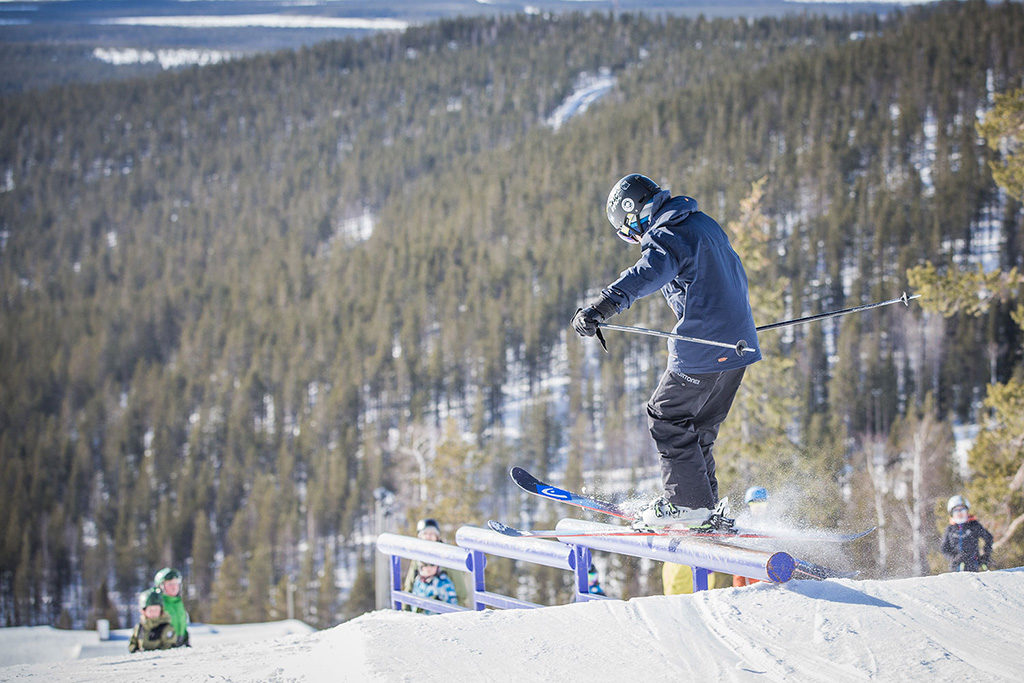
x,y
238,301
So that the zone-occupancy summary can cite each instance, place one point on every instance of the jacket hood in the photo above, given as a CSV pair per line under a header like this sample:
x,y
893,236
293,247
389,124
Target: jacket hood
x,y
669,210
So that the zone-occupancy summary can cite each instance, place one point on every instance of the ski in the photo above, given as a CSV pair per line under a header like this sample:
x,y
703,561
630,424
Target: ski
x,y
809,570
507,530
532,484
738,534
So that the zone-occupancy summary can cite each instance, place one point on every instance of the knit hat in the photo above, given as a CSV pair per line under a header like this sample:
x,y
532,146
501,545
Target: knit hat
x,y
428,523
150,597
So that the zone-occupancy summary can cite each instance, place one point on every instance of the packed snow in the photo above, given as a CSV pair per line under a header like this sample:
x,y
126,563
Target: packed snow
x,y
45,644
952,627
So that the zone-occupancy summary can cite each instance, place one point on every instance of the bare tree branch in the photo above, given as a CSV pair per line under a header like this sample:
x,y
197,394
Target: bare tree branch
x,y
1010,530
1018,479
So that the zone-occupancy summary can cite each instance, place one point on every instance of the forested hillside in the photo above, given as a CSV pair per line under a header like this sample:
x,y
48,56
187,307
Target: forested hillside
x,y
209,358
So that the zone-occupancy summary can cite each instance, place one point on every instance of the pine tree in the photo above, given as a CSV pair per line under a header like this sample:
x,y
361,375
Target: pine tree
x,y
996,489
202,556
362,595
228,596
327,594
1003,130
102,608
759,431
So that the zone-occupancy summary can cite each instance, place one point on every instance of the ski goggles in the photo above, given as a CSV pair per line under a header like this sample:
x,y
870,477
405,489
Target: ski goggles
x,y
635,224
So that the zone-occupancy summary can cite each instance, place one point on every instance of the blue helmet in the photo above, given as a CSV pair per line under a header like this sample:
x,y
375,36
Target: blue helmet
x,y
756,494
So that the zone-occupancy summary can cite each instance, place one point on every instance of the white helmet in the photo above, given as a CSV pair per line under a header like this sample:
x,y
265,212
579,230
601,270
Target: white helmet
x,y
957,502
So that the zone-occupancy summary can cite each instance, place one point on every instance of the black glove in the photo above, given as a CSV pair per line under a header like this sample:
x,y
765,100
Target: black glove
x,y
586,320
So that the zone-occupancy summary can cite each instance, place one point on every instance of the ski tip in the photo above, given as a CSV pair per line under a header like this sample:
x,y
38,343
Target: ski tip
x,y
522,477
504,529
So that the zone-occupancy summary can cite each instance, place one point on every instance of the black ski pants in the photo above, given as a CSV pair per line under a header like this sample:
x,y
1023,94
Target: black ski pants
x,y
684,415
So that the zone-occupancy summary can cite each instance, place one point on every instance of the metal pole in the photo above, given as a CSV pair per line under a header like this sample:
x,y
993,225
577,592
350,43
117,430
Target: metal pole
x,y
383,500
705,553
739,347
903,299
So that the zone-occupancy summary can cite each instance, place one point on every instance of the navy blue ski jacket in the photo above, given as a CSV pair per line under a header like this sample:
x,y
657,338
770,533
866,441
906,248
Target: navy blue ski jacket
x,y
961,544
687,255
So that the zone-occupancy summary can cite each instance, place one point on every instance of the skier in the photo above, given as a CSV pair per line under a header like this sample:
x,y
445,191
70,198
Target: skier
x,y
962,539
168,582
154,630
756,499
687,255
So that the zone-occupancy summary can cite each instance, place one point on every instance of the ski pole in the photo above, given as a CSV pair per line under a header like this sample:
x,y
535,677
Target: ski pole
x,y
739,347
904,299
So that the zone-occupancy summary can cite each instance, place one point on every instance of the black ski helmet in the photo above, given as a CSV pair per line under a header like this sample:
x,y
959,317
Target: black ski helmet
x,y
625,204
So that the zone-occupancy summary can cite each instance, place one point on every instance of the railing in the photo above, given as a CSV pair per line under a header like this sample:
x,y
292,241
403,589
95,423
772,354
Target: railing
x,y
473,544
411,548
570,557
704,553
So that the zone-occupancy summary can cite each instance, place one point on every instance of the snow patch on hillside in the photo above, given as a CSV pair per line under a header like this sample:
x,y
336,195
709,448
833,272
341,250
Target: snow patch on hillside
x,y
358,228
589,88
260,21
167,58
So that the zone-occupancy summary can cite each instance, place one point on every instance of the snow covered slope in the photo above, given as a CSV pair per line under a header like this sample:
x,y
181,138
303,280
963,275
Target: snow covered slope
x,y
45,644
953,627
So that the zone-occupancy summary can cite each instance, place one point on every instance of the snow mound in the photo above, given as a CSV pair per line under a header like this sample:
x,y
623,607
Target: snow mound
x,y
948,627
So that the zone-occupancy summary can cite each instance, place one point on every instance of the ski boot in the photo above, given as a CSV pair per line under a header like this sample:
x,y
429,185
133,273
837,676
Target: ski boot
x,y
718,521
660,513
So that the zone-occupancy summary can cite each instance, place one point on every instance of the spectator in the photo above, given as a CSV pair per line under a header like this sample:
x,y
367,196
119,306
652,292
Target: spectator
x,y
429,530
154,630
677,579
756,499
433,582
961,543
168,582
593,582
